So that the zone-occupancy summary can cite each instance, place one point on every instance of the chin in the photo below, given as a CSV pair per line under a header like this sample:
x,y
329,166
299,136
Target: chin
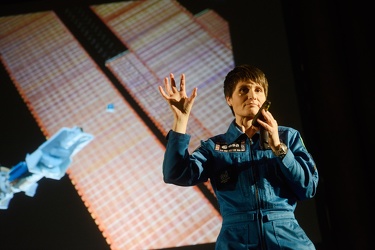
x,y
252,112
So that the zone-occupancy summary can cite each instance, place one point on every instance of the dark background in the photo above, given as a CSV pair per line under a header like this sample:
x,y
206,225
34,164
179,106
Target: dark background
x,y
330,48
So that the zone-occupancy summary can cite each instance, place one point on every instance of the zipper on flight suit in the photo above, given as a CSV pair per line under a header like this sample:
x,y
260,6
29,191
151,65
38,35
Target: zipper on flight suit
x,y
255,179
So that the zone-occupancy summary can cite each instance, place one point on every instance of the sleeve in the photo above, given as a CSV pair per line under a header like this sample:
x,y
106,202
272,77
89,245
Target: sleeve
x,y
298,167
179,167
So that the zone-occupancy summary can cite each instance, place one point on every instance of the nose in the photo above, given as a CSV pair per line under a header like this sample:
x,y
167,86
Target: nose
x,y
251,95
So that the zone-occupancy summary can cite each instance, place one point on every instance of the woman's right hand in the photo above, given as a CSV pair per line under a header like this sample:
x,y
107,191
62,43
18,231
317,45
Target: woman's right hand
x,y
178,101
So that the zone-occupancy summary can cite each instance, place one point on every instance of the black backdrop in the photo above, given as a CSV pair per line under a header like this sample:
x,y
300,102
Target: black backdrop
x,y
329,47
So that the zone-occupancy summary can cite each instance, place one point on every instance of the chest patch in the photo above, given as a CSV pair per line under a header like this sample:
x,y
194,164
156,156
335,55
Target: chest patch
x,y
234,147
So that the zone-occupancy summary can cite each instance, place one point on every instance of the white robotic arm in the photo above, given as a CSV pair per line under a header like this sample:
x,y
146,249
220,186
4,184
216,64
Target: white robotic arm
x,y
50,160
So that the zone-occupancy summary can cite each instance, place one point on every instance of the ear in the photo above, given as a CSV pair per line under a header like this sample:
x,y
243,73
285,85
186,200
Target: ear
x,y
229,100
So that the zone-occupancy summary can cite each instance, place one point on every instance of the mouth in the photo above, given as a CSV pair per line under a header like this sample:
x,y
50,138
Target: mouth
x,y
251,105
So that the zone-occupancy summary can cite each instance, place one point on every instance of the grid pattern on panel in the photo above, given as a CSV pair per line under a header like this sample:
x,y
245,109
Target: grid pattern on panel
x,y
142,86
216,25
176,41
184,234
118,175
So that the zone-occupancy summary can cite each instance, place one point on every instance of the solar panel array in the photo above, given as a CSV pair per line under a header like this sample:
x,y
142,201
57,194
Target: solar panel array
x,y
118,175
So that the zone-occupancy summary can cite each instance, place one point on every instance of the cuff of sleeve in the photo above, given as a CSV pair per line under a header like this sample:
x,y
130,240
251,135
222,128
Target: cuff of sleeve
x,y
172,135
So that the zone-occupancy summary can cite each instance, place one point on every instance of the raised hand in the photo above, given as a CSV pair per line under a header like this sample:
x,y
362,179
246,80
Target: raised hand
x,y
178,101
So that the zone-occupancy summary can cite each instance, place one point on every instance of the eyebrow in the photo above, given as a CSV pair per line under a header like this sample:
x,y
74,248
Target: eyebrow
x,y
249,83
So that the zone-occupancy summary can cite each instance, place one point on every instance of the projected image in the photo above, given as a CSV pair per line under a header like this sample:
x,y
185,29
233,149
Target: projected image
x,y
118,174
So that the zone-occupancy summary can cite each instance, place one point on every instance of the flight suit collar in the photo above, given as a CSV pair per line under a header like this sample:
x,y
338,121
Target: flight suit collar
x,y
234,133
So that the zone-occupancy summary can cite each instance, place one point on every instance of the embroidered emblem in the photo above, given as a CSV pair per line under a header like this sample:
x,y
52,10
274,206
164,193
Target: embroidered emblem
x,y
224,177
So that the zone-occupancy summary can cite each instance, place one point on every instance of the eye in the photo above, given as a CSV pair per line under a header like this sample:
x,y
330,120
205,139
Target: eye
x,y
243,90
259,89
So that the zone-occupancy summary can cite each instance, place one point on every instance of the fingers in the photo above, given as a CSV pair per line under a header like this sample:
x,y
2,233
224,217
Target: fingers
x,y
267,116
267,113
193,95
170,87
161,90
173,82
182,82
270,124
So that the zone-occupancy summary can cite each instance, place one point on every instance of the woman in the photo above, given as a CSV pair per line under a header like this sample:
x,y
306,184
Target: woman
x,y
257,187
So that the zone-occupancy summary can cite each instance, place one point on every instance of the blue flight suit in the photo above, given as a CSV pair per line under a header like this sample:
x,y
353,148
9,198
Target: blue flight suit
x,y
257,192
